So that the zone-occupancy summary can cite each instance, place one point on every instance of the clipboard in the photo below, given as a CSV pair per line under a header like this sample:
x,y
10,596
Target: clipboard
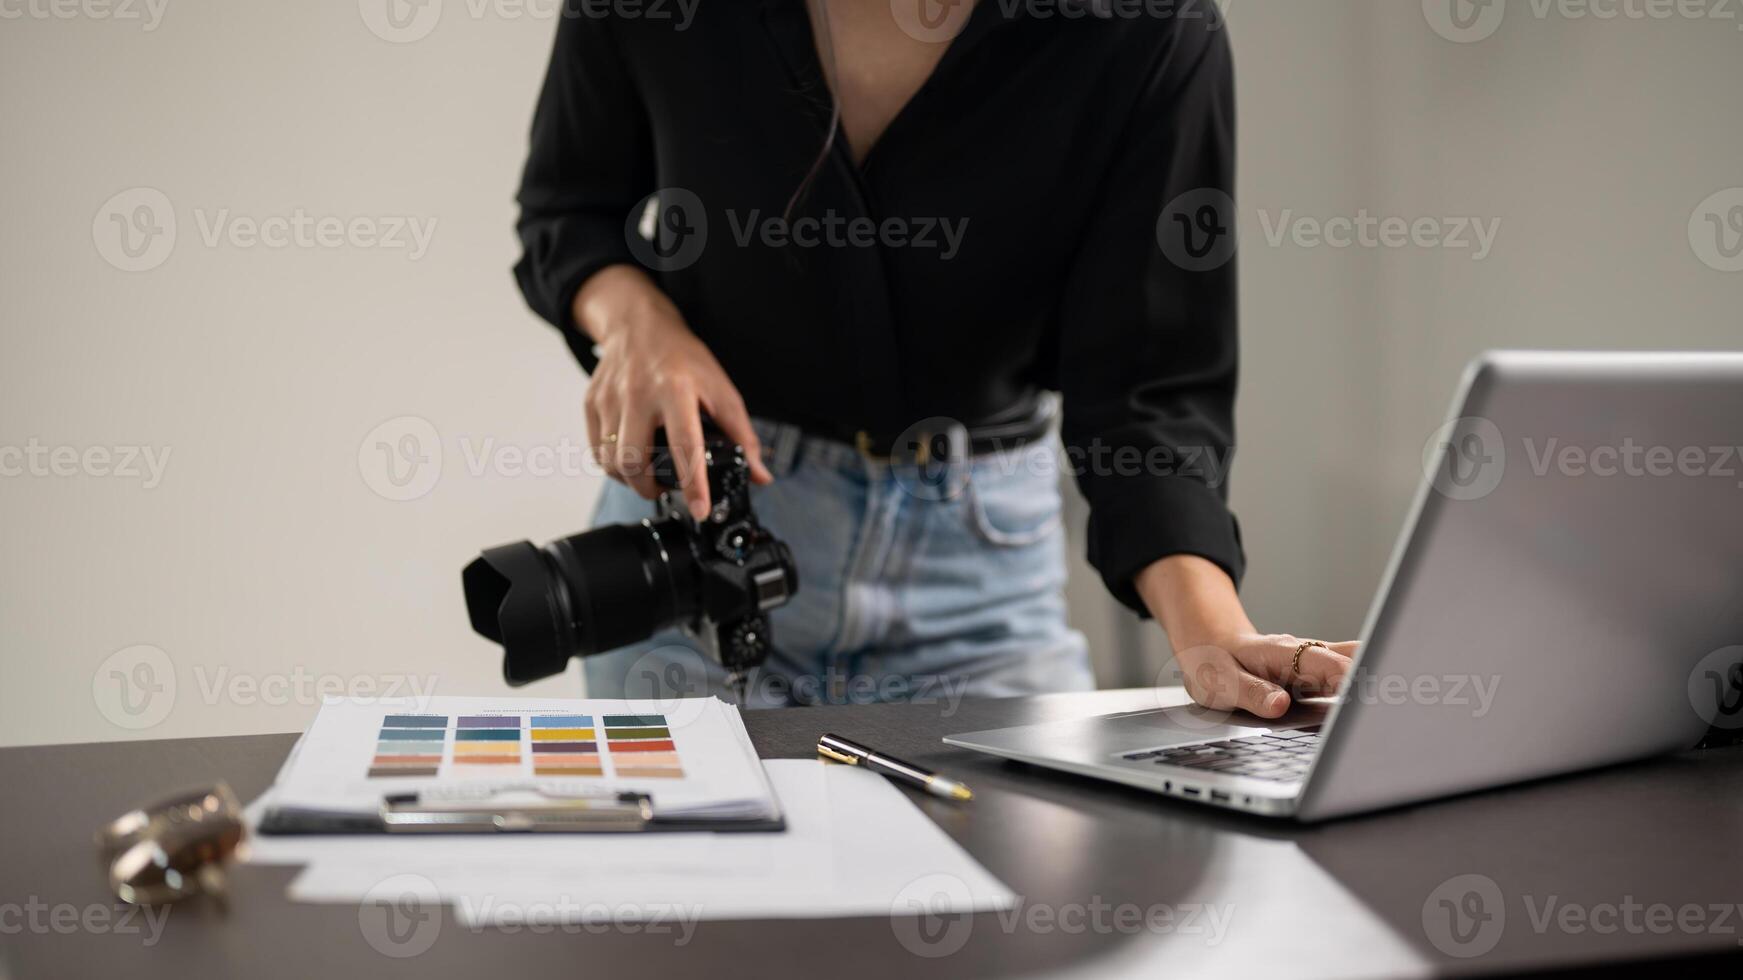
x,y
386,768
529,808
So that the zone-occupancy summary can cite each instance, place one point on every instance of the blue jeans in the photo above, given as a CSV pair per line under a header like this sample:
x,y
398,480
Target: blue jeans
x,y
914,585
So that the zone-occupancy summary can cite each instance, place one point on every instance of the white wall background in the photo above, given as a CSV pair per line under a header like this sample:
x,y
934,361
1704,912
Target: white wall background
x,y
265,563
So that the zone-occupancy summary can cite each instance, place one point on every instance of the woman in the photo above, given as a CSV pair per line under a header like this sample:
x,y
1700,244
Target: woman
x,y
880,239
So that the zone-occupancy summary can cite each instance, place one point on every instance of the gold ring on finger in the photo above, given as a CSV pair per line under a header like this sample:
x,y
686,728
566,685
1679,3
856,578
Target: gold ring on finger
x,y
1301,648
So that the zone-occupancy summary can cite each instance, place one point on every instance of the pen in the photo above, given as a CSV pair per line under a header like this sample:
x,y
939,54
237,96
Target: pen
x,y
854,754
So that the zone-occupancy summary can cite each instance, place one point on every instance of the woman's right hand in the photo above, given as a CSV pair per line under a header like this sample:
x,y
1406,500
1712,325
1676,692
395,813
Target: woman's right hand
x,y
654,372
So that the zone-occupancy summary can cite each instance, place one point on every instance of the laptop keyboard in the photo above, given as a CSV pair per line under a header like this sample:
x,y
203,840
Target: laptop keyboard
x,y
1282,756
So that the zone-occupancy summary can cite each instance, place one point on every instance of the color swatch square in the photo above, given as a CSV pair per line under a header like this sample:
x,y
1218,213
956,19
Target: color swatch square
x,y
642,747
409,745
488,740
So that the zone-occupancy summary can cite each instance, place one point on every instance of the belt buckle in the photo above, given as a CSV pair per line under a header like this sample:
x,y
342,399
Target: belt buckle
x,y
937,441
862,441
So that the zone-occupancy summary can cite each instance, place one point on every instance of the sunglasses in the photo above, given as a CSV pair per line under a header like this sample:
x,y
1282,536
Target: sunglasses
x,y
175,848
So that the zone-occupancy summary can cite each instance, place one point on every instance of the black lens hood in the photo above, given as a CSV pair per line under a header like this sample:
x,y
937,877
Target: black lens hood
x,y
511,600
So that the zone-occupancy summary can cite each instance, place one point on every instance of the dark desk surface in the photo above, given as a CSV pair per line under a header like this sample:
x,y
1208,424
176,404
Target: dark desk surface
x,y
1642,861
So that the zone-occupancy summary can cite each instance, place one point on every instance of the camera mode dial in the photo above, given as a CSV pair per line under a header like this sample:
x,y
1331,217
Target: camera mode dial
x,y
735,542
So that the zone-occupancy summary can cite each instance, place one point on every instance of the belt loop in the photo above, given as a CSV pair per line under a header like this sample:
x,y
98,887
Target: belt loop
x,y
783,450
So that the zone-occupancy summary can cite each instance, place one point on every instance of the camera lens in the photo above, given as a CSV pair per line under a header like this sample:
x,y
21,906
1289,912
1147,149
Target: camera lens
x,y
581,595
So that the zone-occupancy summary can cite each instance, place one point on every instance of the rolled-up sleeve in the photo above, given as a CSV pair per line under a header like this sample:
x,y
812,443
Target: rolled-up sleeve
x,y
590,162
1149,352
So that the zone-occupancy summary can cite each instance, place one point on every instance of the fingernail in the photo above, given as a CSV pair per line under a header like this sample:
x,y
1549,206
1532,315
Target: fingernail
x,y
1277,701
698,509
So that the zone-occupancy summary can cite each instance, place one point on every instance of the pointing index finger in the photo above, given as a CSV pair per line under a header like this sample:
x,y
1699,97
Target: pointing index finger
x,y
684,436
729,413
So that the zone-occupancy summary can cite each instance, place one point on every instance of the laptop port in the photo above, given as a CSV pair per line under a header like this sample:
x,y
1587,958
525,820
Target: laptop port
x,y
1189,790
1218,796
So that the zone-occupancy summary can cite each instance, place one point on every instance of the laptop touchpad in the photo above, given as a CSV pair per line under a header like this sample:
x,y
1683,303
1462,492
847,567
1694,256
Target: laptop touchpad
x,y
1192,723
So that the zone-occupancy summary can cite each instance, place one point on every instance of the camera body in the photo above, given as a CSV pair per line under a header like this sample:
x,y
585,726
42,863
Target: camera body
x,y
743,570
717,578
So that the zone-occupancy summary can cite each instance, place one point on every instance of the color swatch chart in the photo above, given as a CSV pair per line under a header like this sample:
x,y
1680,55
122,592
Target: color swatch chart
x,y
409,745
487,740
637,746
641,746
563,745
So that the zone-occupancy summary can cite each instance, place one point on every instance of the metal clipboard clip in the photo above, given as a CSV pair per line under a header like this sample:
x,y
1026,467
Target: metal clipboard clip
x,y
516,808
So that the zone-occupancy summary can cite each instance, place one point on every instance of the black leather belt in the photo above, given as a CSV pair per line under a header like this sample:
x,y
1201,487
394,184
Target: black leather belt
x,y
940,439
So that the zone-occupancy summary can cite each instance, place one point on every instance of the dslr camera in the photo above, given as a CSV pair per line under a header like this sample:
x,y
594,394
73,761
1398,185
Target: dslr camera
x,y
612,586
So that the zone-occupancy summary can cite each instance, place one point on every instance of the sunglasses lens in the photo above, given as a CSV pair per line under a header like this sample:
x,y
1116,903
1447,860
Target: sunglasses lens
x,y
144,875
175,848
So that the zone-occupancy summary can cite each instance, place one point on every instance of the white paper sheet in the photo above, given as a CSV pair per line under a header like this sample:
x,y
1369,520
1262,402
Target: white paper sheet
x,y
855,845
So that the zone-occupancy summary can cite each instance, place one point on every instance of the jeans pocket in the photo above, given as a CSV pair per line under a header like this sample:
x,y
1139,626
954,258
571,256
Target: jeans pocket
x,y
1012,510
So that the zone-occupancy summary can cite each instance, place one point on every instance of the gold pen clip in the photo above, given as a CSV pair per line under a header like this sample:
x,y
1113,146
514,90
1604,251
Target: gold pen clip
x,y
829,753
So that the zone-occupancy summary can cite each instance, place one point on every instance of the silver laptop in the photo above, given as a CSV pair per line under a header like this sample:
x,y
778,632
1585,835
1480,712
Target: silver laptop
x,y
1567,593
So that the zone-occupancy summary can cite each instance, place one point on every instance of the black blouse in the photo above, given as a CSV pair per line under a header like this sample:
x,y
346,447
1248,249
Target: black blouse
x,y
1007,234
